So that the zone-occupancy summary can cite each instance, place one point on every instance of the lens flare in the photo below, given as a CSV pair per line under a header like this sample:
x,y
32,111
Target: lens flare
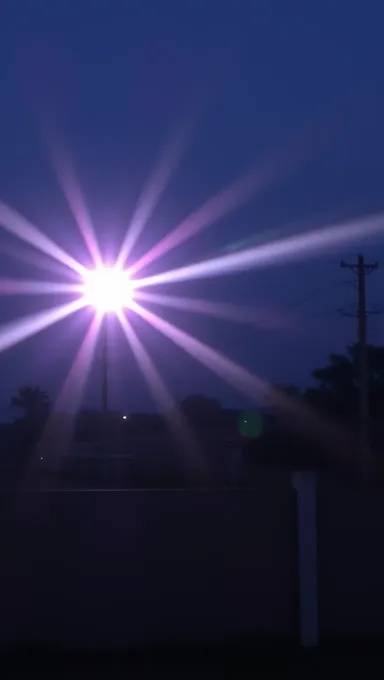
x,y
320,240
299,416
59,429
72,191
154,189
250,185
107,289
265,318
26,287
19,226
177,423
24,328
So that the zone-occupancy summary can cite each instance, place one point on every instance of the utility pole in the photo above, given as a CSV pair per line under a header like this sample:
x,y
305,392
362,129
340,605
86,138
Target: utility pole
x,y
361,269
104,370
105,385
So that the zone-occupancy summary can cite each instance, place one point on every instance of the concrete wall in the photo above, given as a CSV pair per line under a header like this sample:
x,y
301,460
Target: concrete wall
x,y
110,567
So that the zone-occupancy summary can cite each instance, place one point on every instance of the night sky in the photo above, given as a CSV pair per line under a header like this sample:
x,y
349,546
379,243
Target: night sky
x,y
114,83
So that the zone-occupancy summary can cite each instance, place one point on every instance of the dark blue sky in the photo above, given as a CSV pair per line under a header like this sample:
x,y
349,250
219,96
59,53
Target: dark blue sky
x,y
114,80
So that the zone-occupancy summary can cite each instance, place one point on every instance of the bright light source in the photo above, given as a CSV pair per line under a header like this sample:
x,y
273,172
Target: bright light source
x,y
107,289
124,417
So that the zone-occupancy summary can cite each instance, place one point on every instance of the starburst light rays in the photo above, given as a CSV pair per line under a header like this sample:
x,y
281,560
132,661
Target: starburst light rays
x,y
19,226
15,332
261,317
30,287
154,189
270,254
249,384
163,398
58,432
242,190
71,189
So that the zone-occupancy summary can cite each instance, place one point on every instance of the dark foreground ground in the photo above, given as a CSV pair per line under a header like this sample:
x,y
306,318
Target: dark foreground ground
x,y
102,568
248,658
100,582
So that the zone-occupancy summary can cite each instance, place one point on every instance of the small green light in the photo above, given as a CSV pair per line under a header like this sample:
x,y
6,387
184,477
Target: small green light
x,y
250,424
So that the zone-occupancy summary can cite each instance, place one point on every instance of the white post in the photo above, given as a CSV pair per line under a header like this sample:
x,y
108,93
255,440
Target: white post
x,y
305,484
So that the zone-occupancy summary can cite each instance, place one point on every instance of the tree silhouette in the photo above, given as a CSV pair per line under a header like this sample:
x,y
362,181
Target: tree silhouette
x,y
34,402
337,390
199,409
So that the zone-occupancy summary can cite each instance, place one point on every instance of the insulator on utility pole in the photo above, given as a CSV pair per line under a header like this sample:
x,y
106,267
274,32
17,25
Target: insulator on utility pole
x,y
361,269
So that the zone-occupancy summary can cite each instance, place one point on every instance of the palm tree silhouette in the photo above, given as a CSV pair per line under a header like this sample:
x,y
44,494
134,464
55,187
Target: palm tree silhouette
x,y
34,402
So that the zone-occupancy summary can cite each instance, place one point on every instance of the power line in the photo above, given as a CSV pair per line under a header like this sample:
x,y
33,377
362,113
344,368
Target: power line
x,y
361,269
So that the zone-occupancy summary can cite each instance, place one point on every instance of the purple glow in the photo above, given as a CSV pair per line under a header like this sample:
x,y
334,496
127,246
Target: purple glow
x,y
156,384
252,183
25,287
72,391
20,330
247,383
160,392
273,253
19,226
152,193
262,318
72,191
227,369
58,431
